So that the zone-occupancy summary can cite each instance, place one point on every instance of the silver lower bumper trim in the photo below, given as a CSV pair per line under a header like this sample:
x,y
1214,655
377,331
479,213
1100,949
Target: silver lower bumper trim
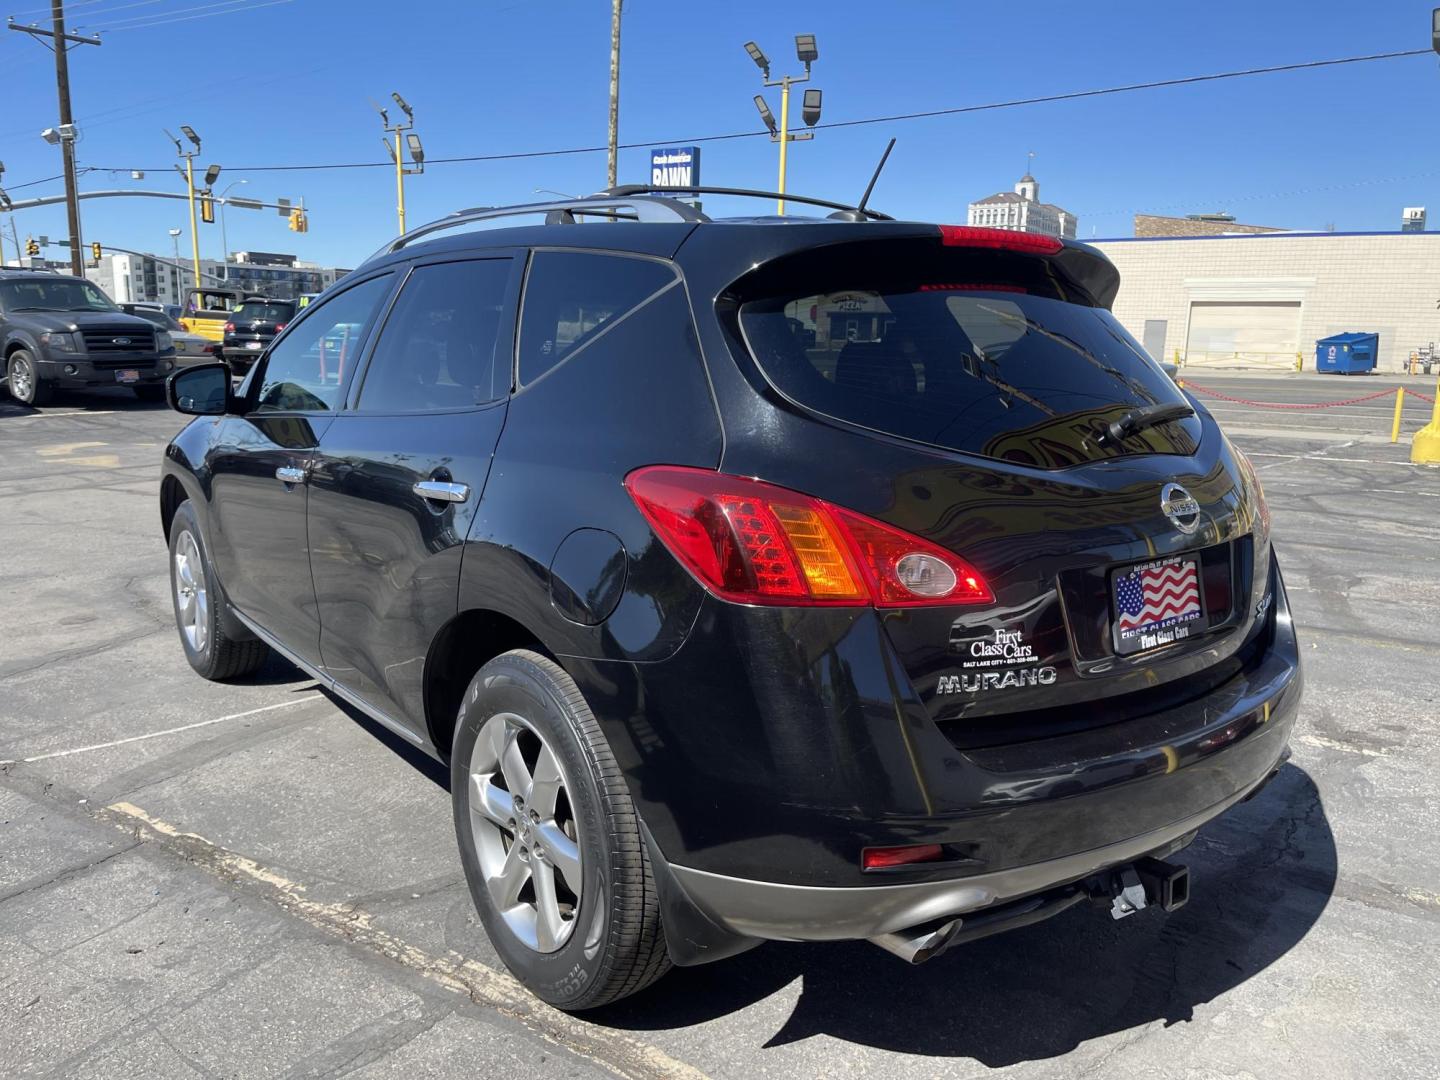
x,y
780,912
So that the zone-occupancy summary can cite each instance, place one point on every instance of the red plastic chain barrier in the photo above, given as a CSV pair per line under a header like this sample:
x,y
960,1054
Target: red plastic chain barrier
x,y
1422,397
1289,405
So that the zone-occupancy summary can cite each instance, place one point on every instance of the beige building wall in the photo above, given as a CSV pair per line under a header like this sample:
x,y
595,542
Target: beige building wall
x,y
1385,283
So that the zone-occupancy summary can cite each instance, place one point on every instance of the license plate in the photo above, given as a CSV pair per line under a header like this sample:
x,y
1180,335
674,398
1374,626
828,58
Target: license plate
x,y
127,375
1156,603
254,344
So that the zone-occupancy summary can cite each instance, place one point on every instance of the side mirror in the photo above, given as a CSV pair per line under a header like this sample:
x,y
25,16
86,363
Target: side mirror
x,y
202,390
1173,370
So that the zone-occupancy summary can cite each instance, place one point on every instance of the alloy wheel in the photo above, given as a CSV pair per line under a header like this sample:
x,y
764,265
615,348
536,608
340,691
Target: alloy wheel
x,y
526,837
22,380
192,602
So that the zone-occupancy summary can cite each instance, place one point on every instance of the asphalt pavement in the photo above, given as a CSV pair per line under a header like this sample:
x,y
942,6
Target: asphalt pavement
x,y
250,880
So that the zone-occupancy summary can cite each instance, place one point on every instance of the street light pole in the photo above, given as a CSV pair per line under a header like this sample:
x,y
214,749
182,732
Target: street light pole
x,y
397,152
189,173
224,239
807,52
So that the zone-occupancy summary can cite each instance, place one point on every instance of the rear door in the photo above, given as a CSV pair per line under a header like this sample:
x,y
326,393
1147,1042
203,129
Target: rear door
x,y
965,396
399,476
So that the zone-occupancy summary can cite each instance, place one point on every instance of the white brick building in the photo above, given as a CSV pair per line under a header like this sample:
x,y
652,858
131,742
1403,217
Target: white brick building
x,y
1258,300
1022,211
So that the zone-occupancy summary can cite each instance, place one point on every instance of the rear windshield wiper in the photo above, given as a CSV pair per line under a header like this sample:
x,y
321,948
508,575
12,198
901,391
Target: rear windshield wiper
x,y
1147,416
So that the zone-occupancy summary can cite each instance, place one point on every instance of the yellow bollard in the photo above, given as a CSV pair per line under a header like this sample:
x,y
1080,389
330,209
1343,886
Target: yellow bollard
x,y
1425,446
1299,361
1399,404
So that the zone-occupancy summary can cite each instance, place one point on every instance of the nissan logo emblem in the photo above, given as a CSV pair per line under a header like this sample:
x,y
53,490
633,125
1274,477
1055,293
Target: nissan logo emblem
x,y
1180,507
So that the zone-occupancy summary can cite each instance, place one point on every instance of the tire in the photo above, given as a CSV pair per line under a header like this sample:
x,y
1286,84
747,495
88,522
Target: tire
x,y
149,393
211,652
24,381
611,945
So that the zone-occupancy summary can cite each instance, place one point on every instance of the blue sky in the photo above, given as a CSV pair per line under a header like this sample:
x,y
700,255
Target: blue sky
x,y
288,83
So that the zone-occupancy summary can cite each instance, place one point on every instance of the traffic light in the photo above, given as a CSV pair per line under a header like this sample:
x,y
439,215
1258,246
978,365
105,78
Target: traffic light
x,y
298,221
31,247
207,208
95,251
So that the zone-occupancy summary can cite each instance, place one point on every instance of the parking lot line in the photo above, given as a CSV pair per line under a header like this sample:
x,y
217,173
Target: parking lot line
x,y
167,731
613,1050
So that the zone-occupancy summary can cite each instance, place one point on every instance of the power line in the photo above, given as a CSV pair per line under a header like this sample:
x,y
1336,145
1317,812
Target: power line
x,y
179,15
954,111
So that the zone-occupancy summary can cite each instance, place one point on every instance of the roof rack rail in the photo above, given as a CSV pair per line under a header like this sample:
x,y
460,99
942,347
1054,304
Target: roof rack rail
x,y
854,213
561,212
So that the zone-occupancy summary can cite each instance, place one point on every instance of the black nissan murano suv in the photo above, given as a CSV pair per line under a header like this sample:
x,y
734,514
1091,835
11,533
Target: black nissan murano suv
x,y
791,579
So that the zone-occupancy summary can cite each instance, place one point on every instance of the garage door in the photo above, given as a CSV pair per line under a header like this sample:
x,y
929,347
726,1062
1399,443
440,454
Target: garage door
x,y
1253,335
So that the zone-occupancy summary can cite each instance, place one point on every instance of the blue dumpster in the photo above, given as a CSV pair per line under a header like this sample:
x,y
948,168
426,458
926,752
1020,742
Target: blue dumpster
x,y
1347,354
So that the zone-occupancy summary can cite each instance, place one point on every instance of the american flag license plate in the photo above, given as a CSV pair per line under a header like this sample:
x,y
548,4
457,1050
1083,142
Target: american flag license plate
x,y
1156,603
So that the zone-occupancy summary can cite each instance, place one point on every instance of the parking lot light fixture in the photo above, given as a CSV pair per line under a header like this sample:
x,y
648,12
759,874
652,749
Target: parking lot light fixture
x,y
404,105
808,52
189,133
766,114
759,57
810,110
417,152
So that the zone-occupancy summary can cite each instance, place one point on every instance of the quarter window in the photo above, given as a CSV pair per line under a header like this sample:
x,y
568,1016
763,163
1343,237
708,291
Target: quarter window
x,y
305,370
437,350
573,297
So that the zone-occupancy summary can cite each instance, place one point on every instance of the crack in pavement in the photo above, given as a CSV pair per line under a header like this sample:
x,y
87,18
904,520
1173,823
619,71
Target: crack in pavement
x,y
613,1050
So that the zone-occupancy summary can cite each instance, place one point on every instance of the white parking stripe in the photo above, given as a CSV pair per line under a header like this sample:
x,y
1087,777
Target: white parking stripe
x,y
167,731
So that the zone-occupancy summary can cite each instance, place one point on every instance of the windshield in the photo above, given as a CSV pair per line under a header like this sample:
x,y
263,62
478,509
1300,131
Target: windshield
x,y
61,294
985,369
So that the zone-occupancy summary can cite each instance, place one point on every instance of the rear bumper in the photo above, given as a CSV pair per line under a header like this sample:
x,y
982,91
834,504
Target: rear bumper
x,y
774,911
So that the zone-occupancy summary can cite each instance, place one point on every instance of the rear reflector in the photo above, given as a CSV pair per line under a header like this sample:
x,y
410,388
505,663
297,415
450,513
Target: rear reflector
x,y
882,858
1000,239
755,543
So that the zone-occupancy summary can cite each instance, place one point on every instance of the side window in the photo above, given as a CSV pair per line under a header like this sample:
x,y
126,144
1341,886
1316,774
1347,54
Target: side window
x,y
572,297
305,370
437,349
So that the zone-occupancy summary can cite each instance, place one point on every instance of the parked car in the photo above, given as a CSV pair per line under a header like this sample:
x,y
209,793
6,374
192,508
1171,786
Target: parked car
x,y
251,327
189,348
62,332
933,615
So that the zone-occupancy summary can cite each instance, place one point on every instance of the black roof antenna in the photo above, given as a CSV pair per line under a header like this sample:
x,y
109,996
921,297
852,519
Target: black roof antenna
x,y
871,186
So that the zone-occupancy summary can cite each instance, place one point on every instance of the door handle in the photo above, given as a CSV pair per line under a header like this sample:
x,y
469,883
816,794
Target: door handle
x,y
441,491
290,475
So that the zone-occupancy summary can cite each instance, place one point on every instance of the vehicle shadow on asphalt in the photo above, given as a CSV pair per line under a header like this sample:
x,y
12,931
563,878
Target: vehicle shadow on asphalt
x,y
1262,875
105,400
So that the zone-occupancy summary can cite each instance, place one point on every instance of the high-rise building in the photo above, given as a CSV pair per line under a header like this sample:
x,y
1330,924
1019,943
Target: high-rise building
x,y
1022,211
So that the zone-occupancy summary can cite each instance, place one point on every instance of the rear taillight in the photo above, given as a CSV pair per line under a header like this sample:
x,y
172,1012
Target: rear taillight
x,y
1000,239
229,327
1262,508
754,543
279,326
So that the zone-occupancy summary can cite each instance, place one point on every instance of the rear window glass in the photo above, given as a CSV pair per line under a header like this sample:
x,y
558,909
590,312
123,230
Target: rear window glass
x,y
572,297
983,368
265,312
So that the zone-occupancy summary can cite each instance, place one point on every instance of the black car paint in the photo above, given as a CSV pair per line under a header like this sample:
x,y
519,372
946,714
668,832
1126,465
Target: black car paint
x,y
767,743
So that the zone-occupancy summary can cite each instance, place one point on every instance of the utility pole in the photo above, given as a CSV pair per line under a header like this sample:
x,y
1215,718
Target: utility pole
x,y
611,166
66,131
